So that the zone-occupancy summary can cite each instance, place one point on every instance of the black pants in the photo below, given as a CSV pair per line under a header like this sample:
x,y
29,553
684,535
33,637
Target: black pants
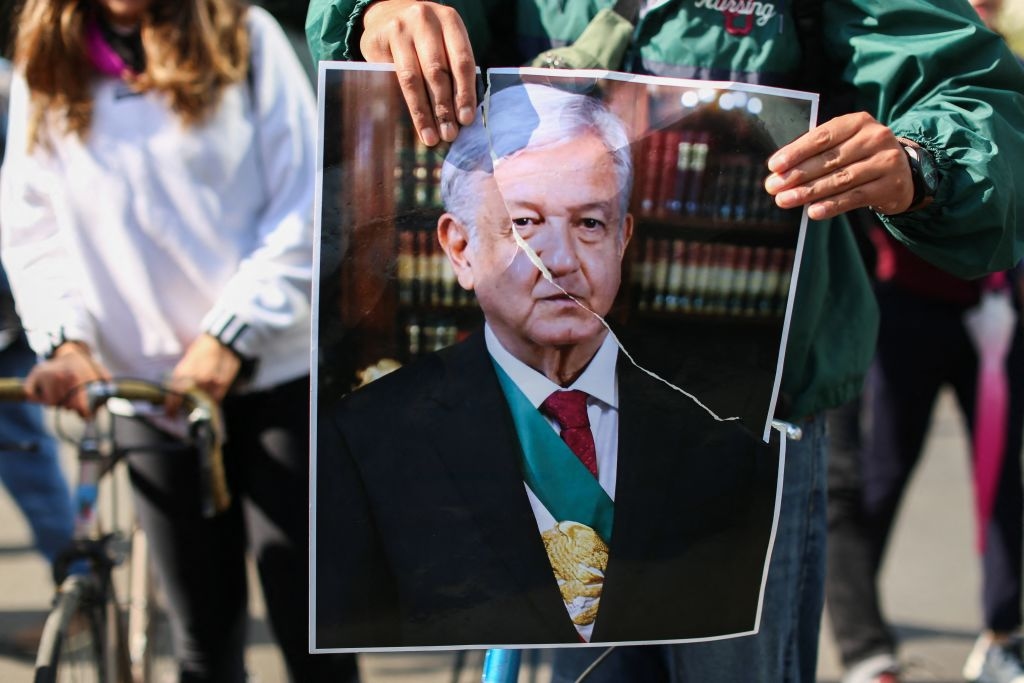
x,y
923,345
201,562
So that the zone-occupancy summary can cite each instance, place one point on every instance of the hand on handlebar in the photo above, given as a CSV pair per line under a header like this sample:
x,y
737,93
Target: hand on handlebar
x,y
849,162
59,381
207,365
433,59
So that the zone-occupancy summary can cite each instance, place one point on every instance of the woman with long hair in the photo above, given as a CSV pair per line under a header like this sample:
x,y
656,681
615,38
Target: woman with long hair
x,y
156,204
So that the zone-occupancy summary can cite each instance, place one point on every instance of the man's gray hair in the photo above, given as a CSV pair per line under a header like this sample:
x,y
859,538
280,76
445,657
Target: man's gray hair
x,y
524,117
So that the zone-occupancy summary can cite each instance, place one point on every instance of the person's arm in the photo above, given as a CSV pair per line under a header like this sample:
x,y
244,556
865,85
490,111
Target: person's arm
x,y
39,266
271,287
932,74
36,253
429,43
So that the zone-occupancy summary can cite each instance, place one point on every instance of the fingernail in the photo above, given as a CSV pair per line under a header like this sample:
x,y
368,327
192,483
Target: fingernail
x,y
787,199
429,137
777,163
448,131
816,212
773,183
466,115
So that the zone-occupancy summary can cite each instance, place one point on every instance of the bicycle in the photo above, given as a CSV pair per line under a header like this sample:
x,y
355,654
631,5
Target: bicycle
x,y
86,636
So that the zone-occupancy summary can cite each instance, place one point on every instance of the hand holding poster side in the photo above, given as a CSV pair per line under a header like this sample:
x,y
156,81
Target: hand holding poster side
x,y
430,49
847,163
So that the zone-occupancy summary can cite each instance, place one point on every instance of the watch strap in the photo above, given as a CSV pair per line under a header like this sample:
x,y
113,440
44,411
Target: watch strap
x,y
917,157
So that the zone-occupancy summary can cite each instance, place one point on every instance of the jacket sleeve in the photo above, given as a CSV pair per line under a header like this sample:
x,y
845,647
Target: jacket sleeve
x,y
334,27
930,71
270,290
40,268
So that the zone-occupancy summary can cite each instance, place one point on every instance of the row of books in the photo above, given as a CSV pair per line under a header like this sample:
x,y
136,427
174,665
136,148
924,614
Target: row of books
x,y
678,174
417,171
671,275
425,278
674,275
425,335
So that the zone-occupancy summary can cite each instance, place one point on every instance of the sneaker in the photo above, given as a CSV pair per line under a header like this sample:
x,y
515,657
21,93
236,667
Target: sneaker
x,y
990,663
880,668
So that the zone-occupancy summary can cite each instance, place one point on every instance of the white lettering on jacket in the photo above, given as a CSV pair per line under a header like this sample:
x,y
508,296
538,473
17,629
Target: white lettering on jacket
x,y
764,11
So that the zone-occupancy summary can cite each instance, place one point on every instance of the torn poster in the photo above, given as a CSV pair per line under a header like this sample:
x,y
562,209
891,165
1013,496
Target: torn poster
x,y
546,360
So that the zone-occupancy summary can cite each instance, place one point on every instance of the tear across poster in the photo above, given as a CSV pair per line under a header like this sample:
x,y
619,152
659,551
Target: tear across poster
x,y
546,360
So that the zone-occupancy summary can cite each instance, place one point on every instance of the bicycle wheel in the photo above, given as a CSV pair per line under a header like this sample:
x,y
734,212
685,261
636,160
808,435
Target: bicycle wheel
x,y
82,641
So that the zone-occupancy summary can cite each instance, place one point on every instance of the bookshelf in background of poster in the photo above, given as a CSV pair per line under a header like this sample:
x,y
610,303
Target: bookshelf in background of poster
x,y
709,242
709,245
433,310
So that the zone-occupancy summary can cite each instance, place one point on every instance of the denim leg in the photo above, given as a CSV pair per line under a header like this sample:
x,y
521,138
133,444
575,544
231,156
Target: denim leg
x,y
29,464
633,664
786,647
785,650
851,586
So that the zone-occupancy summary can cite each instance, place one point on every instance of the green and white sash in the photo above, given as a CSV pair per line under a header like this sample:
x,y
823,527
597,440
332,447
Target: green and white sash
x,y
577,546
552,471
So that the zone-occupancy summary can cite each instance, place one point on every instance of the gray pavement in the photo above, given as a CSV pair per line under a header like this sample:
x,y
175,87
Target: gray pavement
x,y
930,586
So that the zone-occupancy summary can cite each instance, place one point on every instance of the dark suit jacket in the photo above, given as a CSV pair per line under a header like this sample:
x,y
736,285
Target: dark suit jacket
x,y
425,536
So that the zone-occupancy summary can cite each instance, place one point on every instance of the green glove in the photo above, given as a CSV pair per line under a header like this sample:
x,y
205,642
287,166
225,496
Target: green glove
x,y
602,45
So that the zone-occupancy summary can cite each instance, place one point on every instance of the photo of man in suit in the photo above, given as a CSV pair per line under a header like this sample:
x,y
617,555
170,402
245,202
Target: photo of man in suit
x,y
530,485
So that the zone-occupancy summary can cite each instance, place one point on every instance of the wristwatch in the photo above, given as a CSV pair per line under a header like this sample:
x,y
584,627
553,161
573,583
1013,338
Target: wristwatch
x,y
924,173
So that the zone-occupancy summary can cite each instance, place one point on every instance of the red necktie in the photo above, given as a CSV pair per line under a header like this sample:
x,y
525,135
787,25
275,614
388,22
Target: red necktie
x,y
569,410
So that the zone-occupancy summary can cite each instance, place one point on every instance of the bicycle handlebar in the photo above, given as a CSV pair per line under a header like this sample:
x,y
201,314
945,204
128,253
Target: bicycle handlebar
x,y
202,413
12,389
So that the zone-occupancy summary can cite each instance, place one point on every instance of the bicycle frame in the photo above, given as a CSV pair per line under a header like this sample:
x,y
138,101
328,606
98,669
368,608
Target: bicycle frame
x,y
83,571
86,567
501,666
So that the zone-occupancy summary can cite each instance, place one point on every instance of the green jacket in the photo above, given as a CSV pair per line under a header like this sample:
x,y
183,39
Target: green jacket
x,y
926,68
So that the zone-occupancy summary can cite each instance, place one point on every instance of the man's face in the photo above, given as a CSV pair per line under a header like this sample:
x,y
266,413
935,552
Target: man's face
x,y
563,200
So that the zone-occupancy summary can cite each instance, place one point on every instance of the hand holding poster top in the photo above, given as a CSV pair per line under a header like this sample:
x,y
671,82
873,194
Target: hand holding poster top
x,y
576,453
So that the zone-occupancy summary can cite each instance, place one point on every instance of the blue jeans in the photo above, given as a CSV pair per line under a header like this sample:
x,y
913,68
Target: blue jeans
x,y
786,648
29,467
